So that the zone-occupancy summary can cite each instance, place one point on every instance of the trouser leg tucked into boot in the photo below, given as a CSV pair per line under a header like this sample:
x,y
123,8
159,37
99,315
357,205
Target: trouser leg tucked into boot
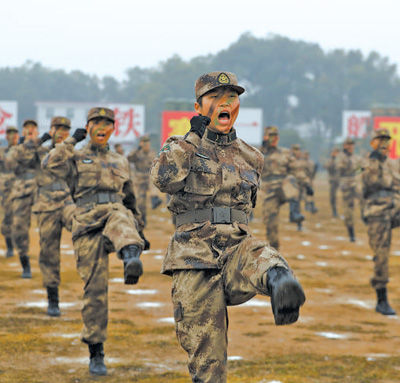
x,y
52,295
350,230
96,364
133,267
26,266
10,248
295,215
382,305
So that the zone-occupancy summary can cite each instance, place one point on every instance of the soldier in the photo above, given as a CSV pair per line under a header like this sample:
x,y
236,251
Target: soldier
x,y
278,184
142,158
330,166
54,208
311,171
381,191
8,177
119,149
213,178
348,164
24,161
105,220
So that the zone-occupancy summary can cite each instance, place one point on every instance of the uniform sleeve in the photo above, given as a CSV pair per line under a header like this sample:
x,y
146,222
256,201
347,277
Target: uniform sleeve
x,y
21,156
60,160
132,156
372,176
170,169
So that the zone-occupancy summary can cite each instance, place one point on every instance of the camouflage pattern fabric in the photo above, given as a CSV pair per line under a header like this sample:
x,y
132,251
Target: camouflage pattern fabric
x,y
7,180
381,190
213,265
334,179
97,229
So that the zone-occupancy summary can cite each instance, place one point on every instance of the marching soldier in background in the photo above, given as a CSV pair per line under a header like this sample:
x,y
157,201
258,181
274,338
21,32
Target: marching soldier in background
x,y
7,179
311,171
278,184
24,161
142,158
105,220
381,192
119,149
54,208
213,178
348,164
333,176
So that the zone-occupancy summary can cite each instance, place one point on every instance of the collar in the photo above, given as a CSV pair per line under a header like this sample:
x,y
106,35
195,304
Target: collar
x,y
347,152
99,149
220,138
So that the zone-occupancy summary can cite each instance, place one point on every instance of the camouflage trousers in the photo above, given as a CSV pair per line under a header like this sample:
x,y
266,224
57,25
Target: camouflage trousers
x,y
51,224
333,186
380,238
6,225
141,190
348,197
21,221
271,209
200,299
116,231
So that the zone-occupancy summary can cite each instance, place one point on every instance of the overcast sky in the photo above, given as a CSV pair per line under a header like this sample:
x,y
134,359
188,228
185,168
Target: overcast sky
x,y
107,37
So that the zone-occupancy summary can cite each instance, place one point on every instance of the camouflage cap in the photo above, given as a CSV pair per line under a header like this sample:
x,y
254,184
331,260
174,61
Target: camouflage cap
x,y
381,133
214,80
295,147
348,141
101,112
11,129
61,121
144,138
271,130
29,121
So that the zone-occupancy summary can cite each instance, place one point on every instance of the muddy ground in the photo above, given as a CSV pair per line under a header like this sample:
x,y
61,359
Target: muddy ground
x,y
339,337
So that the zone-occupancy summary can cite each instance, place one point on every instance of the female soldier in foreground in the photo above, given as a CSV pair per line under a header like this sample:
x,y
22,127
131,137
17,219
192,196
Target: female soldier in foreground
x,y
213,177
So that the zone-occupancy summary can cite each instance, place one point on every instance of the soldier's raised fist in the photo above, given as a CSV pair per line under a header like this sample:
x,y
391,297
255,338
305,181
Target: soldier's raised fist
x,y
198,124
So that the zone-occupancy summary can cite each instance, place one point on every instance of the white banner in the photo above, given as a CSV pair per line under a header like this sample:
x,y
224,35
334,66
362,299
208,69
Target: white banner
x,y
8,116
249,125
355,123
129,118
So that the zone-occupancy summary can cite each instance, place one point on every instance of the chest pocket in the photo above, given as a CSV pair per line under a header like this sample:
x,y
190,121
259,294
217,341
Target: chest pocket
x,y
88,174
202,177
248,185
118,178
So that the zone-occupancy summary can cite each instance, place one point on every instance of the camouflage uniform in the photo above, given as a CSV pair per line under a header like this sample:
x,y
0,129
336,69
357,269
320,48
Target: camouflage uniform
x,y
53,207
24,161
141,177
105,219
347,165
7,177
213,259
333,175
279,185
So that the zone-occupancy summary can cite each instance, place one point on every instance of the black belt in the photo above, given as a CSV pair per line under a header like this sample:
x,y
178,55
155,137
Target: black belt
x,y
214,215
99,198
27,176
381,194
274,177
55,186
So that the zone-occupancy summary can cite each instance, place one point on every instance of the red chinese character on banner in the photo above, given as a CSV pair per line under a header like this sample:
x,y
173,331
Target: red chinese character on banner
x,y
353,126
125,119
3,117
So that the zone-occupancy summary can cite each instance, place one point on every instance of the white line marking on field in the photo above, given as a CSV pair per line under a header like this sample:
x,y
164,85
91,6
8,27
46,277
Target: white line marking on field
x,y
256,303
331,335
169,320
149,305
141,292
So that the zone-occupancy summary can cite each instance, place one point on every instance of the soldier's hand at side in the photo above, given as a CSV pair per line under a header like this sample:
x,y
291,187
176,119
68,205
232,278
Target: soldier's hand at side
x,y
79,134
198,124
309,190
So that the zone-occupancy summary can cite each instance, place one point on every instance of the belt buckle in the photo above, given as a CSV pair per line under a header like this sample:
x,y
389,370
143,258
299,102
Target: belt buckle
x,y
103,198
222,214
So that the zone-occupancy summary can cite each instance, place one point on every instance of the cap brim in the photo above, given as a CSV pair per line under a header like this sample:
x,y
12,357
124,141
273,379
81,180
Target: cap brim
x,y
104,117
237,88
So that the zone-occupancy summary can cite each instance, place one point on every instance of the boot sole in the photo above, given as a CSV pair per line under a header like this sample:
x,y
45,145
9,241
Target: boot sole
x,y
133,271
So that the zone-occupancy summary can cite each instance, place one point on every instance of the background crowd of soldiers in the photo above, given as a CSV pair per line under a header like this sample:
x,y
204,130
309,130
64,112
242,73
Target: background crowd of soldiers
x,y
30,184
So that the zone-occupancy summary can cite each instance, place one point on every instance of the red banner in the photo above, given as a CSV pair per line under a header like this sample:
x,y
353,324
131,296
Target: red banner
x,y
393,125
175,123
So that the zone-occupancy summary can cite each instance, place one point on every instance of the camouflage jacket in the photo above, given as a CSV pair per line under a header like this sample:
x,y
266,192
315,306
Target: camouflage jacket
x,y
381,187
52,192
310,169
88,171
6,175
348,166
24,161
142,162
331,168
215,171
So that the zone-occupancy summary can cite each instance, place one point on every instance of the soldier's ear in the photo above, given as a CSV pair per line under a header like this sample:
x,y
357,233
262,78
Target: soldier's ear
x,y
197,107
87,127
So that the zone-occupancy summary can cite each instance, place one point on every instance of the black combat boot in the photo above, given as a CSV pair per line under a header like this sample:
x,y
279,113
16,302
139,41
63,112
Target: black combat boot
x,y
52,295
286,293
295,215
382,305
313,208
96,364
26,266
350,230
156,201
133,267
10,248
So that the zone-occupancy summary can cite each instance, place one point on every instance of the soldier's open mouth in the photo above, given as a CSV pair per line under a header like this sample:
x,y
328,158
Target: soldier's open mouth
x,y
224,117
